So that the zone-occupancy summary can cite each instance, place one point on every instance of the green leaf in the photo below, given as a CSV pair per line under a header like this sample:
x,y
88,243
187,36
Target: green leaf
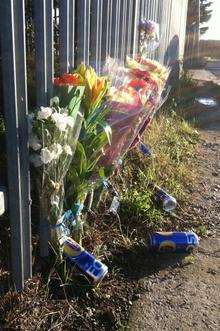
x,y
76,99
81,157
102,173
70,97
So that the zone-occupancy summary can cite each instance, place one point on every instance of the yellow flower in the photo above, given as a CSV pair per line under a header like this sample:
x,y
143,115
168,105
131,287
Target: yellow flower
x,y
95,86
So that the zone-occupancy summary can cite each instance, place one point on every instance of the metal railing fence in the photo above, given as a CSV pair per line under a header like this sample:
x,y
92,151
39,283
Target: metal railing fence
x,y
71,31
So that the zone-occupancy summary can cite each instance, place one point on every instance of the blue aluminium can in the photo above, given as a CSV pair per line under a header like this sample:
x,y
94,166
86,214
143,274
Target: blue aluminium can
x,y
145,150
173,241
85,261
168,202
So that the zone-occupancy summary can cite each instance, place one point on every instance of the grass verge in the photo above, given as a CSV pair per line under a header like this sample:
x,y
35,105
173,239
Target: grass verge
x,y
57,300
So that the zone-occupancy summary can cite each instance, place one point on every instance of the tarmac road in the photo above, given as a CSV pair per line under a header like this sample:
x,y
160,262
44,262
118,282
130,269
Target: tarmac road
x,y
214,67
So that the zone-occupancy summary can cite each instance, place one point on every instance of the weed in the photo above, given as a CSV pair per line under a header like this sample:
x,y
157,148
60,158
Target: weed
x,y
202,231
189,259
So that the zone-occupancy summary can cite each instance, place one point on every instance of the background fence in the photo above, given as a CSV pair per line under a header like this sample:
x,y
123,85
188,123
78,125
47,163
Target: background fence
x,y
39,37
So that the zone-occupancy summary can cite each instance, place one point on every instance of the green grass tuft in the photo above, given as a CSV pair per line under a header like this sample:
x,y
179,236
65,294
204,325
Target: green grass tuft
x,y
172,141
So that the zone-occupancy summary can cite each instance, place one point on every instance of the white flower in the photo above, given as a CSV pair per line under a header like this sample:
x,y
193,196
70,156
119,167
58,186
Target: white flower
x,y
67,149
46,155
36,160
55,200
70,121
60,121
34,142
44,113
57,150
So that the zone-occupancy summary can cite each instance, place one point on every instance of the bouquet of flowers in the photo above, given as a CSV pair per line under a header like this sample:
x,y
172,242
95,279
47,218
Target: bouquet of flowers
x,y
149,36
54,132
134,96
156,75
85,172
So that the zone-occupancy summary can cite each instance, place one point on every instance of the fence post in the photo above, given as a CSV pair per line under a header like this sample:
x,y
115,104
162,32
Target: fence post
x,y
122,29
115,28
15,108
71,34
83,30
129,27
106,18
67,35
96,33
44,73
64,36
136,18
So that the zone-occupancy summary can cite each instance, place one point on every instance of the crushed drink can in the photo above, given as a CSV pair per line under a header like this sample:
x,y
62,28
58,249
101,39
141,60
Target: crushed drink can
x,y
168,202
145,150
85,261
176,242
114,205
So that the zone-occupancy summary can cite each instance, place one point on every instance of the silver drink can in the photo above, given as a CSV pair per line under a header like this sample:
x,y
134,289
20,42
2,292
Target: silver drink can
x,y
168,202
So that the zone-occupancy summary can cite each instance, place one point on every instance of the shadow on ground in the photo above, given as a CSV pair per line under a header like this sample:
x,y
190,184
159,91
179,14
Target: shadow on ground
x,y
138,262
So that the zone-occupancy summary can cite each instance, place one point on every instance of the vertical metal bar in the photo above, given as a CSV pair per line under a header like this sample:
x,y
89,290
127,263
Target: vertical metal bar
x,y
96,33
161,23
141,9
157,10
129,27
115,27
20,42
15,95
136,23
106,11
83,30
118,11
110,27
71,33
44,74
122,29
157,19
64,36
149,9
154,14
44,49
154,19
40,39
49,48
99,50
169,23
146,9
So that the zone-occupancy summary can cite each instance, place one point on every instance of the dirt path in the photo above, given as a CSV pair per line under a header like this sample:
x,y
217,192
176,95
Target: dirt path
x,y
184,294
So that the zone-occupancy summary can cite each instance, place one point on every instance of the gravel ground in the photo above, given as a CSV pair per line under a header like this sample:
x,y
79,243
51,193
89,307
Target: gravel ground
x,y
184,293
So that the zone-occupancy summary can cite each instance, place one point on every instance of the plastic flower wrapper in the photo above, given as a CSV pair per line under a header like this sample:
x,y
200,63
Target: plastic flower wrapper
x,y
54,132
149,36
84,172
156,76
128,101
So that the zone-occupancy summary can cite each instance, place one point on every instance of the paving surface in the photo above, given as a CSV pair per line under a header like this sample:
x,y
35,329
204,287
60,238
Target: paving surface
x,y
184,295
203,75
214,67
211,73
